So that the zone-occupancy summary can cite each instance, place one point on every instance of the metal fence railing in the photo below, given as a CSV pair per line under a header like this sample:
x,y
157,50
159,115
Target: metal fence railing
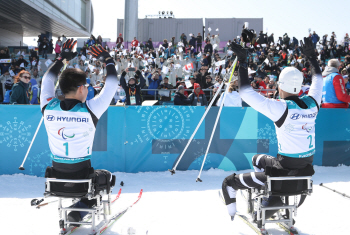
x,y
172,91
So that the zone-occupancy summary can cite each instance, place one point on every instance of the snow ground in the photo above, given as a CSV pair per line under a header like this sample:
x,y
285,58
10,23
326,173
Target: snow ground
x,y
174,205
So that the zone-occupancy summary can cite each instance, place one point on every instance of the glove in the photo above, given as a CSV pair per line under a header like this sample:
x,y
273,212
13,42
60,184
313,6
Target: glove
x,y
67,48
101,54
308,48
248,35
240,52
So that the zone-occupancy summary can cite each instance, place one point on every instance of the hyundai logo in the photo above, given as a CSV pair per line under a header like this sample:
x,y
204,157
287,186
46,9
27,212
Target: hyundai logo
x,y
295,116
50,118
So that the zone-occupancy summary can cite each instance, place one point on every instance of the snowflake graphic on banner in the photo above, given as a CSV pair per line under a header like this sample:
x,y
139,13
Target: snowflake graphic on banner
x,y
14,134
267,132
200,157
39,162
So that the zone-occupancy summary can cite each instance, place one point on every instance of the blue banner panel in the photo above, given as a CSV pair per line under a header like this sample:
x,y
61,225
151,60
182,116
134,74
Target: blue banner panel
x,y
139,139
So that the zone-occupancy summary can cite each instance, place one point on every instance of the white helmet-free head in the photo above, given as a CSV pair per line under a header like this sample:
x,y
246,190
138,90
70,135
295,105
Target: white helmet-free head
x,y
290,80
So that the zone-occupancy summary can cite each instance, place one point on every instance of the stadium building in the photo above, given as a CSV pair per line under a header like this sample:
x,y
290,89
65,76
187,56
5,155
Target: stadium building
x,y
28,18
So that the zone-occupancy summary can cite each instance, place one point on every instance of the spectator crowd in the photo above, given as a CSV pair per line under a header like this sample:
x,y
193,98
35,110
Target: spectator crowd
x,y
188,70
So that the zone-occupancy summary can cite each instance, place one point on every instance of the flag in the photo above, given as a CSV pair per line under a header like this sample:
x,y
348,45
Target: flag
x,y
188,66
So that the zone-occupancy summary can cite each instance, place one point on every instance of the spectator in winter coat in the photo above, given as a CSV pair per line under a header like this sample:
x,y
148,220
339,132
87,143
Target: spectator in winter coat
x,y
20,89
45,48
149,44
334,94
165,86
132,90
58,46
315,38
154,81
180,98
183,39
271,39
119,40
208,49
192,42
21,60
198,98
34,92
134,43
90,42
199,42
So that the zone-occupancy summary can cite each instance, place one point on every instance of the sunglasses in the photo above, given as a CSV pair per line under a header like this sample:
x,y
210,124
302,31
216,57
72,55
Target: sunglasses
x,y
85,85
26,77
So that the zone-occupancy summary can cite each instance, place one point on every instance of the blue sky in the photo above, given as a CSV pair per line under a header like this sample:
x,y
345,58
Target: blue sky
x,y
280,16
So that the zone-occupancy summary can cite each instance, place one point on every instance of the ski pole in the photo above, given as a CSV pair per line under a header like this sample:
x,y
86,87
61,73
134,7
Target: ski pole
x,y
37,130
195,131
216,123
343,194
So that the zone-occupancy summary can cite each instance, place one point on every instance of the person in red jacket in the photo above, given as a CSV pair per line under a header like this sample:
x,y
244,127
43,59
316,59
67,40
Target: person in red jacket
x,y
334,94
261,84
120,40
134,43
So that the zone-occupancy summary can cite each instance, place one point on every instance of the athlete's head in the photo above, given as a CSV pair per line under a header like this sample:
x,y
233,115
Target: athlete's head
x,y
73,84
290,82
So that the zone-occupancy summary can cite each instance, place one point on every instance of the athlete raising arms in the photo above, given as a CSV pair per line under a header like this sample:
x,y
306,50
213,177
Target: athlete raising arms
x,y
71,123
294,120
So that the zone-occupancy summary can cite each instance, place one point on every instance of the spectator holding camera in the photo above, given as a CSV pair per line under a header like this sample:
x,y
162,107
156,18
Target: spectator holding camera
x,y
154,80
132,90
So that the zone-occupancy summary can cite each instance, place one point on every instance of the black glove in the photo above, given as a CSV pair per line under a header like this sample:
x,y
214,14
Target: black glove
x,y
248,35
308,48
137,74
67,49
101,54
240,52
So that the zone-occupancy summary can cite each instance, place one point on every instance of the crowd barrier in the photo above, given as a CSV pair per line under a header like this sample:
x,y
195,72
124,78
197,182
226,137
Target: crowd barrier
x,y
140,139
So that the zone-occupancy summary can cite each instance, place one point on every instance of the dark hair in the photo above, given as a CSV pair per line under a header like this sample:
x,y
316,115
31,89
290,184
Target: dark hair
x,y
70,79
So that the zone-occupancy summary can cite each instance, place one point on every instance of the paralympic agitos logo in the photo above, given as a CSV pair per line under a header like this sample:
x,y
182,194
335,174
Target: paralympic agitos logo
x,y
61,133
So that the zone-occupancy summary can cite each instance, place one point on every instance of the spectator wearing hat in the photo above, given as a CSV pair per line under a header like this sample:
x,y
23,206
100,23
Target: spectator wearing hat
x,y
180,98
164,94
120,40
232,97
197,98
334,94
132,89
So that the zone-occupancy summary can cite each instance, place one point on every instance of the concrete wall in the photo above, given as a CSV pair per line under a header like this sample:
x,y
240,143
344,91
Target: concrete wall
x,y
8,38
160,29
230,28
